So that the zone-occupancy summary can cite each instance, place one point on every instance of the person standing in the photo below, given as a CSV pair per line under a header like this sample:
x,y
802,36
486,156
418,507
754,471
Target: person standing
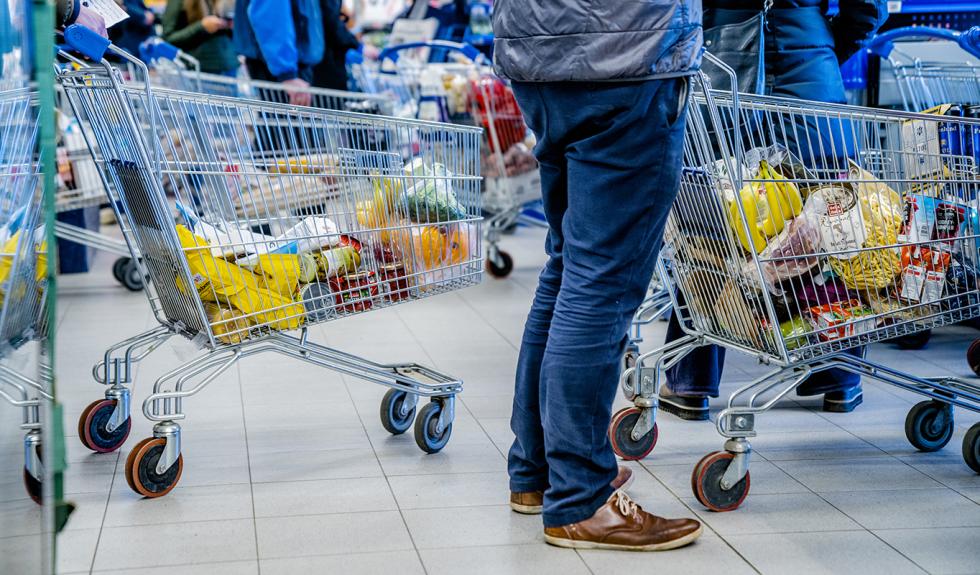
x,y
282,40
331,72
136,29
603,86
804,51
201,29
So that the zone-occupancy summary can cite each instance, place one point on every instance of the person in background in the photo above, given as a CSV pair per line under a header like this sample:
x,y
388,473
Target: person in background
x,y
133,31
604,88
331,72
203,30
804,51
282,40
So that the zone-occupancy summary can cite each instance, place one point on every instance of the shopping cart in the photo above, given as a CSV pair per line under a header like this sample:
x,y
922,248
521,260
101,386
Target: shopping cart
x,y
656,305
173,68
803,230
923,84
287,217
467,92
23,269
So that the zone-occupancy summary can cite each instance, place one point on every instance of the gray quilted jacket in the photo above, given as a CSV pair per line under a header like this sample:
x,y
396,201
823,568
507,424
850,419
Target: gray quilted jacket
x,y
596,40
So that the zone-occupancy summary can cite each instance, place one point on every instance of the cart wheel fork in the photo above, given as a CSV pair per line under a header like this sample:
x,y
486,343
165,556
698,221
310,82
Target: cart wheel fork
x,y
644,423
447,414
32,456
120,412
739,466
170,432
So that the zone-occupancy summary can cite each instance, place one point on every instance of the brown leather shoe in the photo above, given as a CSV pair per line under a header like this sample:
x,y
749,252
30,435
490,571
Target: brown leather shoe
x,y
620,524
531,502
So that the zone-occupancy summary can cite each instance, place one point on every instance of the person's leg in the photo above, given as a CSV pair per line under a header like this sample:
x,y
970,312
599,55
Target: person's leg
x,y
526,460
624,151
695,378
841,389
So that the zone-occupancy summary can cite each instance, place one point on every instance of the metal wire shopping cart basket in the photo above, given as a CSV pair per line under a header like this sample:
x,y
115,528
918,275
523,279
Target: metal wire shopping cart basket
x,y
924,84
801,231
468,92
23,268
287,217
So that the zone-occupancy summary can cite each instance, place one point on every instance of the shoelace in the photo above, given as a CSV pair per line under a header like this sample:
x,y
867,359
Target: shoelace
x,y
627,506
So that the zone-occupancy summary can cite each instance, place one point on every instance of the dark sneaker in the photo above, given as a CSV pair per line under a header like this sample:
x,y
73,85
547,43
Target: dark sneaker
x,y
689,407
621,524
843,401
531,502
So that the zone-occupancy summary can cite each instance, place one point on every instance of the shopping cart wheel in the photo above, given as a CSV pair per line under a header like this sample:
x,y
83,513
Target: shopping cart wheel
x,y
394,417
973,356
119,268
621,435
502,268
92,427
33,486
929,425
916,340
971,447
141,472
706,483
132,277
427,435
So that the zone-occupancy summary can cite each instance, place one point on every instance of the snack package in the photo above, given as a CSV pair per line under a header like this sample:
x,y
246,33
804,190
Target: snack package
x,y
841,319
311,234
226,239
228,325
795,332
838,211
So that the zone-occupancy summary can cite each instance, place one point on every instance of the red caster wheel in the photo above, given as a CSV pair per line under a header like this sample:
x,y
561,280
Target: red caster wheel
x,y
620,435
92,427
141,469
706,483
33,486
973,356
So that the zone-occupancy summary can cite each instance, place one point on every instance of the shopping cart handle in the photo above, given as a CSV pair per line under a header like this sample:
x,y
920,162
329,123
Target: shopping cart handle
x,y
883,44
392,52
86,42
156,49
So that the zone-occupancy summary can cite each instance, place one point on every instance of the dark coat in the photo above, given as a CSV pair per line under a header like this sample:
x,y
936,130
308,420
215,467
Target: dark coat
x,y
804,48
331,72
133,31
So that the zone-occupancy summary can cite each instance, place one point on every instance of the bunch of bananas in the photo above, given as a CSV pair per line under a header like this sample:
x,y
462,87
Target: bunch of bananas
x,y
767,205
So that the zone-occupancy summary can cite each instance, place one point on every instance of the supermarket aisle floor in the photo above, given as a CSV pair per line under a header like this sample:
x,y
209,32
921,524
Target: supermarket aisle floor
x,y
288,470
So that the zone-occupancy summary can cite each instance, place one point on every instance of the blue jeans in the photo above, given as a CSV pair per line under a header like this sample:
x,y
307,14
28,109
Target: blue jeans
x,y
610,157
699,372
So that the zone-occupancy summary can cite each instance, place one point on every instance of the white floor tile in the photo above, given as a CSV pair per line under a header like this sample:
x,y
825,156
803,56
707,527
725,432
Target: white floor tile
x,y
282,537
401,562
472,527
707,555
539,559
952,551
322,496
175,544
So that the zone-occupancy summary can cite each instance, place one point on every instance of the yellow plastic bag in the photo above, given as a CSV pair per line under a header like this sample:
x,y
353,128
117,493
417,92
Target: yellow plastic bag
x,y
265,301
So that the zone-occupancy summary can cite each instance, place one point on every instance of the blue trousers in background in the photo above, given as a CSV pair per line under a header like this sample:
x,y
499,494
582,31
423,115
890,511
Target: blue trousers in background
x,y
699,372
610,157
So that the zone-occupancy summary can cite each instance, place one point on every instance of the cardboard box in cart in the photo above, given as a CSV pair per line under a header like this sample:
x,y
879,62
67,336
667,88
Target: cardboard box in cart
x,y
923,145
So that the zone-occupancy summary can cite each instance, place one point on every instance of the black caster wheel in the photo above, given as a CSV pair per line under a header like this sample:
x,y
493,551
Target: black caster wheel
x,y
33,487
913,340
92,427
706,483
119,268
973,356
503,270
132,277
971,447
394,417
620,435
929,425
141,472
427,436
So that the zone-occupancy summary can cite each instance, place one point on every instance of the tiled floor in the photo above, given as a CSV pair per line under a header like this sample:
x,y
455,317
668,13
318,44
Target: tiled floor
x,y
288,470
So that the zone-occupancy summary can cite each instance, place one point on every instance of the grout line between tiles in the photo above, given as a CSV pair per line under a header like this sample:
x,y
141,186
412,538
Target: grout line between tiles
x,y
248,461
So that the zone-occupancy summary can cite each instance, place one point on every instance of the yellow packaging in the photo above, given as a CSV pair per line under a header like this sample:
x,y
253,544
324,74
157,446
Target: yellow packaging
x,y
228,325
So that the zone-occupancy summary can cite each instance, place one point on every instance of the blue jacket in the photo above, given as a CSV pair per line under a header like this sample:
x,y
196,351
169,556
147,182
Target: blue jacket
x,y
133,31
286,34
804,48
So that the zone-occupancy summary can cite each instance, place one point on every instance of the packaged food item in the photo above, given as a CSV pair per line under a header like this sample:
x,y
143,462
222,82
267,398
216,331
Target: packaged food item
x,y
767,206
863,318
794,332
226,239
318,301
842,319
922,269
341,260
841,223
741,316
431,198
793,252
923,142
354,292
395,281
228,325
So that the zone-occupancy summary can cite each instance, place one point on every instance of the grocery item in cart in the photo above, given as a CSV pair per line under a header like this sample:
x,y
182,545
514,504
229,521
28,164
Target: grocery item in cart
x,y
431,198
230,326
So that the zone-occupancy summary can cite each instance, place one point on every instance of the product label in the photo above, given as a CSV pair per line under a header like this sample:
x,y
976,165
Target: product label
x,y
842,230
933,288
913,279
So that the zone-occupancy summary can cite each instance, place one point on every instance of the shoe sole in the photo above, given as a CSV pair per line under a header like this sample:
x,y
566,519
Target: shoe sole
x,y
526,509
834,406
665,546
686,413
